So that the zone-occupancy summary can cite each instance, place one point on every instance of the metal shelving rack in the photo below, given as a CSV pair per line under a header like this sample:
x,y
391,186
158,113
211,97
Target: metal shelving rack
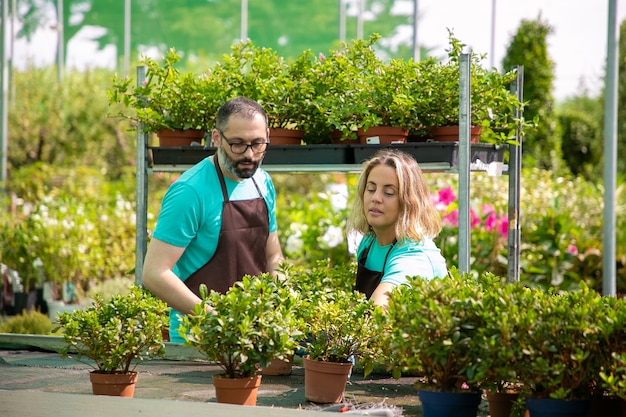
x,y
460,157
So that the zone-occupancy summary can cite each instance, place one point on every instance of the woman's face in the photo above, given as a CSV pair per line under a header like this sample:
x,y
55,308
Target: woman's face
x,y
381,200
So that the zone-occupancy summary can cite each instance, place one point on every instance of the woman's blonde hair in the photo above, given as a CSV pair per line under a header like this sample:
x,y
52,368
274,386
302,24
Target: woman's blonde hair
x,y
418,218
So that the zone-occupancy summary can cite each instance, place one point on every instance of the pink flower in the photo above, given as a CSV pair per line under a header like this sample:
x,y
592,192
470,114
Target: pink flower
x,y
474,218
503,226
488,209
572,249
446,196
452,218
322,57
490,221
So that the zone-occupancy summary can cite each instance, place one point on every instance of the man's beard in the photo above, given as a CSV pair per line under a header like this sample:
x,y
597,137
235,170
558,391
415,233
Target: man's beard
x,y
230,165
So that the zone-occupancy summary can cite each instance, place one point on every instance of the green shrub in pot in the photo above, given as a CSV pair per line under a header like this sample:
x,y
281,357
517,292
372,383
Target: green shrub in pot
x,y
429,328
168,98
563,345
254,322
493,105
115,333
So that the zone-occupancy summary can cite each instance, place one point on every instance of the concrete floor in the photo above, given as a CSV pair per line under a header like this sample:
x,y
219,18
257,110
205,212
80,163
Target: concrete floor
x,y
183,377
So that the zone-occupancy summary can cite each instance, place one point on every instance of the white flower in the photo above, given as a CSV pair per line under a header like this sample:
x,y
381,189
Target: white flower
x,y
294,241
338,196
333,236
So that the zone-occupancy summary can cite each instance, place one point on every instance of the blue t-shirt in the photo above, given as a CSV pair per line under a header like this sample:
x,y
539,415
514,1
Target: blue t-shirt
x,y
407,258
191,215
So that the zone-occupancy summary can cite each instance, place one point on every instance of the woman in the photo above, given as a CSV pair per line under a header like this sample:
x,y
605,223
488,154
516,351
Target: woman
x,y
398,221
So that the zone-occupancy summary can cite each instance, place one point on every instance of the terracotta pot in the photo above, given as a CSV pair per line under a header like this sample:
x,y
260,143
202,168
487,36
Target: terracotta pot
x,y
178,137
279,136
240,391
382,135
279,367
451,134
501,403
119,384
325,382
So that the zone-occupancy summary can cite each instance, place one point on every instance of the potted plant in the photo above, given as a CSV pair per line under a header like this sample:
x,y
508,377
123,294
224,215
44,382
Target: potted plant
x,y
562,350
441,316
497,355
493,106
355,89
338,332
115,334
168,100
260,74
242,330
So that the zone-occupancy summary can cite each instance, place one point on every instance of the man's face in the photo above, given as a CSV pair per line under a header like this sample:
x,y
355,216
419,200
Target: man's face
x,y
241,131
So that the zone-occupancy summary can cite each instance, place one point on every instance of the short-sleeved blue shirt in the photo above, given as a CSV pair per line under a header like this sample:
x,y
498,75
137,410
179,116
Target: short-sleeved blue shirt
x,y
191,215
407,258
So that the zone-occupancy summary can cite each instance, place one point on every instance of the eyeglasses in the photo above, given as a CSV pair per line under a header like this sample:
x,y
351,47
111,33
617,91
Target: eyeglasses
x,y
239,148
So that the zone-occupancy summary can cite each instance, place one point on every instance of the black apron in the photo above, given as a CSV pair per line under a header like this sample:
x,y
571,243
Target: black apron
x,y
241,244
366,279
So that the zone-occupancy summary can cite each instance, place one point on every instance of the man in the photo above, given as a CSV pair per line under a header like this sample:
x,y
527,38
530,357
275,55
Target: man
x,y
218,220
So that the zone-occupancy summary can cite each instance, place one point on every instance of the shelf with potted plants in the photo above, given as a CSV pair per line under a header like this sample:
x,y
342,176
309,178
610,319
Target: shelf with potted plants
x,y
348,91
318,156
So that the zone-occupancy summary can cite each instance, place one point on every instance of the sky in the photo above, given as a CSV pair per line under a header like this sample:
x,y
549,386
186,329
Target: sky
x,y
578,44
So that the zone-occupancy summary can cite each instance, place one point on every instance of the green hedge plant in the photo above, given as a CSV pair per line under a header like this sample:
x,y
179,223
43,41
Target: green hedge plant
x,y
115,333
254,322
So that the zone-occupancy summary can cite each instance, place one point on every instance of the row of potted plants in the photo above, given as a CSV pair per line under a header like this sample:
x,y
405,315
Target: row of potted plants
x,y
457,333
465,335
347,89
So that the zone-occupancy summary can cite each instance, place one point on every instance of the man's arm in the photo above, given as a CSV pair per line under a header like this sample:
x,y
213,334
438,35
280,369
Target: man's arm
x,y
273,252
159,278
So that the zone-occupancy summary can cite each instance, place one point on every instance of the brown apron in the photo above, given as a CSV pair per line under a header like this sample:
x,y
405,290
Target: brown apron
x,y
366,279
241,245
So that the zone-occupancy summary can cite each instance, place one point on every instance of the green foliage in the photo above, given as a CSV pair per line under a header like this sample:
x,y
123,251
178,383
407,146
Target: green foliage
x,y
441,316
311,216
529,47
505,314
580,119
493,105
65,123
116,332
254,322
261,74
167,99
337,318
68,225
29,322
490,334
615,379
563,344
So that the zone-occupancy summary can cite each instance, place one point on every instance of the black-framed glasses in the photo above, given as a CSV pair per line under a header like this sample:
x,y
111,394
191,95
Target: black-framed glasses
x,y
239,148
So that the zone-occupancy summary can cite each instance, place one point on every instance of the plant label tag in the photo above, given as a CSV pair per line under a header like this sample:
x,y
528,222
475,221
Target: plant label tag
x,y
373,140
